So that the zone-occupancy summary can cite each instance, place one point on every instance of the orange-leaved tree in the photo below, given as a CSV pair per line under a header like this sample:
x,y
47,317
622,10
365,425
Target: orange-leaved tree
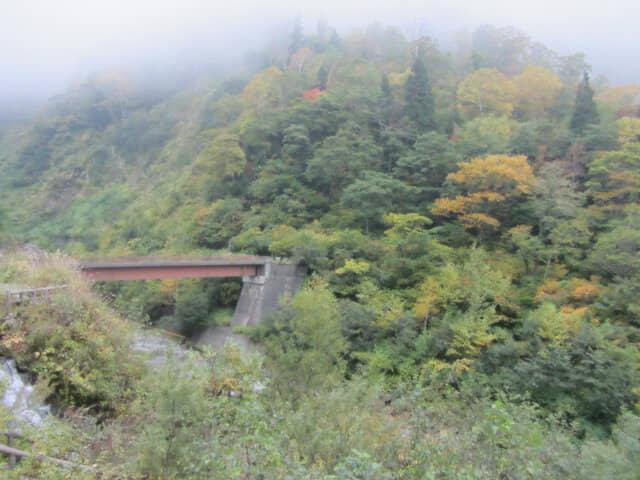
x,y
490,186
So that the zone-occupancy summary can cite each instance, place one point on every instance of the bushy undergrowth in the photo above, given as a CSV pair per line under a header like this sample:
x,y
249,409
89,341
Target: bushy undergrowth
x,y
219,415
69,340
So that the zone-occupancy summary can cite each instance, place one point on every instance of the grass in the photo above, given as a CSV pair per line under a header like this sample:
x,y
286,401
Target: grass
x,y
220,318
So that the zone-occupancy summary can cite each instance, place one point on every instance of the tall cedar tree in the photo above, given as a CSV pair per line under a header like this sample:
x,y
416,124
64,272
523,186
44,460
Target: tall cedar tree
x,y
419,97
323,77
584,110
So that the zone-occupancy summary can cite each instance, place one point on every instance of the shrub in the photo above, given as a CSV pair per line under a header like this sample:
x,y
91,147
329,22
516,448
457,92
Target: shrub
x,y
71,341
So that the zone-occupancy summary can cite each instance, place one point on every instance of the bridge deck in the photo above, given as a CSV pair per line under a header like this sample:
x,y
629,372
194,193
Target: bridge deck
x,y
147,268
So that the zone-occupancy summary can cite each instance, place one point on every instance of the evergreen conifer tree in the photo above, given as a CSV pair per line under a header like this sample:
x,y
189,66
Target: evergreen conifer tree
x,y
419,97
584,110
384,86
323,77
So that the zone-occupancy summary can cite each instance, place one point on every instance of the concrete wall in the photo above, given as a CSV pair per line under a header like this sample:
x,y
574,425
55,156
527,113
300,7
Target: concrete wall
x,y
260,296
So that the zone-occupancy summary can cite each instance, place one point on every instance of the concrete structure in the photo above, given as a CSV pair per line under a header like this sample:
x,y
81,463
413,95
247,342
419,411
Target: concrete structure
x,y
261,295
265,283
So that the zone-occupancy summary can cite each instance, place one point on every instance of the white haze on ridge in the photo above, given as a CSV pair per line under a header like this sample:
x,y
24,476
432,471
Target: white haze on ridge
x,y
47,44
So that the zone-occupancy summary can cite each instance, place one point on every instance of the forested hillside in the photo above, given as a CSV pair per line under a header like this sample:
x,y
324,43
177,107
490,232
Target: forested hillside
x,y
470,220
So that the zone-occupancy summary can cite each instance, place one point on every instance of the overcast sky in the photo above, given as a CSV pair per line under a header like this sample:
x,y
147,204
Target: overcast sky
x,y
46,44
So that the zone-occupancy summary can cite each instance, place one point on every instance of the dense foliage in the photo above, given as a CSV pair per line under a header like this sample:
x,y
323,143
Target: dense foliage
x,y
221,415
470,220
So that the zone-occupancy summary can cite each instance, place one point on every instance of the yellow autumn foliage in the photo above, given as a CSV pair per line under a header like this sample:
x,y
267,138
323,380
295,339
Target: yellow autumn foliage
x,y
477,220
437,292
489,181
623,96
265,90
353,266
558,327
584,291
486,91
505,174
536,90
628,130
551,290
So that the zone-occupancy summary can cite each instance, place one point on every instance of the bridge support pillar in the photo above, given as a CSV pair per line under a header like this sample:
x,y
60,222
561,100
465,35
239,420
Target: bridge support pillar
x,y
260,296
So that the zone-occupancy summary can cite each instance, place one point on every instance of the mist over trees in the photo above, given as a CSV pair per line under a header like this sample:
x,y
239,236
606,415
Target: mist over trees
x,y
468,218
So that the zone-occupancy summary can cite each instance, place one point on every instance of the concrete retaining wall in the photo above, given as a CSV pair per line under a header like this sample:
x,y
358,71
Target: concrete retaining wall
x,y
260,296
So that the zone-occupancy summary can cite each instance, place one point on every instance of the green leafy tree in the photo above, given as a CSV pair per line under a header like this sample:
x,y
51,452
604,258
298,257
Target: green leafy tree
x,y
191,308
296,145
385,87
614,457
376,194
525,141
458,305
411,251
428,164
214,226
341,158
617,252
304,247
614,178
570,241
223,158
579,377
322,118
529,247
305,348
484,135
555,197
177,418
278,197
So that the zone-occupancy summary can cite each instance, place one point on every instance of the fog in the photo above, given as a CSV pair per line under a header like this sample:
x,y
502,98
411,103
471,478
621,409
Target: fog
x,y
48,45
